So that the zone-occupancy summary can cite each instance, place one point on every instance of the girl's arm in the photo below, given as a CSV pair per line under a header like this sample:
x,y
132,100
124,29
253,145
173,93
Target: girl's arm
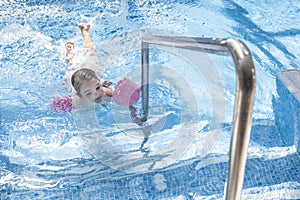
x,y
107,92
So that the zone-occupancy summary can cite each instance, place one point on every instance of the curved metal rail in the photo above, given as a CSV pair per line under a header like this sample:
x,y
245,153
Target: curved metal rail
x,y
245,91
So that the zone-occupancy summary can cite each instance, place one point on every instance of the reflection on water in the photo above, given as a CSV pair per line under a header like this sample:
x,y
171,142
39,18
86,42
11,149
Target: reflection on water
x,y
46,142
46,149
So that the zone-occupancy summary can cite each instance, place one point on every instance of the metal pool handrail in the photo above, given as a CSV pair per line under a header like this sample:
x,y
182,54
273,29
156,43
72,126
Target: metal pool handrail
x,y
245,91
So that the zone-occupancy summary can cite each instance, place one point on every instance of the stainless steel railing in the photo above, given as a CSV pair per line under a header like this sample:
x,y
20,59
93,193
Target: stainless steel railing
x,y
245,91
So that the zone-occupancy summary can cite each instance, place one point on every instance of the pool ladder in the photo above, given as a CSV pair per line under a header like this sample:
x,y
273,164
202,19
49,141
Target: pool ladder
x,y
245,91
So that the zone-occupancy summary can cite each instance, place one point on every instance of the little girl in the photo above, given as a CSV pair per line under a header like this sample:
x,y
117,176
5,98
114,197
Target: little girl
x,y
87,87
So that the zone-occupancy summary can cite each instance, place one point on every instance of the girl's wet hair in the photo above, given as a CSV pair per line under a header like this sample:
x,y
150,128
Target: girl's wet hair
x,y
80,75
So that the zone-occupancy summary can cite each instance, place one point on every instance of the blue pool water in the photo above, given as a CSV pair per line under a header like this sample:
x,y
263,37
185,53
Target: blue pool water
x,y
97,155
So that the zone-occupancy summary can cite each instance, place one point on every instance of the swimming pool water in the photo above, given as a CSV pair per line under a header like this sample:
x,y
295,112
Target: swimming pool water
x,y
49,155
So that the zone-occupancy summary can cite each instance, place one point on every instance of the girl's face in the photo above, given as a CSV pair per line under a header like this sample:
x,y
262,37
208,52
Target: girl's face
x,y
92,90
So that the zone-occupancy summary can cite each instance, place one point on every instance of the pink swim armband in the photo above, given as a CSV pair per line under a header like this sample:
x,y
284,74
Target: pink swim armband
x,y
126,92
62,104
